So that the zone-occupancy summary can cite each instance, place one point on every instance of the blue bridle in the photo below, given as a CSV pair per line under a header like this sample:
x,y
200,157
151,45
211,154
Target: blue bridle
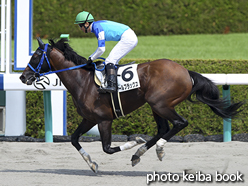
x,y
44,56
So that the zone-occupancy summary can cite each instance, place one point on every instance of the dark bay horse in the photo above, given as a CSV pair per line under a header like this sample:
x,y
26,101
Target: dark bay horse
x,y
163,85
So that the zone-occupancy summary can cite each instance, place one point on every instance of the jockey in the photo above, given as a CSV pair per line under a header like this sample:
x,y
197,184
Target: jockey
x,y
108,31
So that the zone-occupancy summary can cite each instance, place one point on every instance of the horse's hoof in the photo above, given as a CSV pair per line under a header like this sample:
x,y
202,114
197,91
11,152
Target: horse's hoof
x,y
140,140
135,160
94,167
160,153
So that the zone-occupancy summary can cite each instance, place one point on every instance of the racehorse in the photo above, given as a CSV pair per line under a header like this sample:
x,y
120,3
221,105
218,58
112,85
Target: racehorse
x,y
163,85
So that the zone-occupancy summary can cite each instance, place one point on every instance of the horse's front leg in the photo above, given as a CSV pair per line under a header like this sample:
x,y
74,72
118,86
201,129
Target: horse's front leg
x,y
84,127
106,134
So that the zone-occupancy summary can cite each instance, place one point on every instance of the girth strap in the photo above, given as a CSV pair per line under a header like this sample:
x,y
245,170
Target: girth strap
x,y
116,102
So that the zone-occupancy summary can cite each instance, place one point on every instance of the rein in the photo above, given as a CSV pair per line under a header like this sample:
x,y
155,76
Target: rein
x,y
44,56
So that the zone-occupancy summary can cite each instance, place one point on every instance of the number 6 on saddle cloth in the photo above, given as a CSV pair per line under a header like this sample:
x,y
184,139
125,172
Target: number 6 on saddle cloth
x,y
127,77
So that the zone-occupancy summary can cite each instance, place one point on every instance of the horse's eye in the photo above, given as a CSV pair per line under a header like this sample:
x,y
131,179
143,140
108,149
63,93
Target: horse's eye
x,y
38,53
35,56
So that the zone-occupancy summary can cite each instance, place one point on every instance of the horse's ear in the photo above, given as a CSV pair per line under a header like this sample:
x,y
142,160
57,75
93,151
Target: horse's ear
x,y
41,44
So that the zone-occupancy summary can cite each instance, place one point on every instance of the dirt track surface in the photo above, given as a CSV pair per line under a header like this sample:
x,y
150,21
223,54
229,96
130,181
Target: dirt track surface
x,y
59,164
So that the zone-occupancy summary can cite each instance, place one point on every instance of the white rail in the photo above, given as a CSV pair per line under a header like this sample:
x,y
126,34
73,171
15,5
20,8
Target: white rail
x,y
12,82
52,82
228,79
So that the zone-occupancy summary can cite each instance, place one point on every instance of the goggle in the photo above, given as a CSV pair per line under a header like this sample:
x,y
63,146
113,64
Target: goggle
x,y
81,25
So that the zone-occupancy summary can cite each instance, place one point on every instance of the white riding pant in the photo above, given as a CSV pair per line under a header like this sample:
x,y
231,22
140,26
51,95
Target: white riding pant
x,y
127,43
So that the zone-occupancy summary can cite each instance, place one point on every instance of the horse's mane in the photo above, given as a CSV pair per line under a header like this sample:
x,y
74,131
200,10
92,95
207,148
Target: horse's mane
x,y
69,53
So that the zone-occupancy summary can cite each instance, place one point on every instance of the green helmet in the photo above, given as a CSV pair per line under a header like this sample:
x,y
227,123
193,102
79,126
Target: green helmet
x,y
84,17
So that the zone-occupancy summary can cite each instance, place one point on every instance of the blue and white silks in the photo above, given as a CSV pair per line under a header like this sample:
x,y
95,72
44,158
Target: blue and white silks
x,y
112,31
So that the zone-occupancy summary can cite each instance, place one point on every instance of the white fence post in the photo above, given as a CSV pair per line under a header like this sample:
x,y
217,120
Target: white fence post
x,y
3,30
8,39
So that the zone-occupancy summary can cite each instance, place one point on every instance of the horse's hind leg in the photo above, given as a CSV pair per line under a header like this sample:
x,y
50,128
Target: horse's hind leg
x,y
178,123
161,142
106,134
83,128
163,127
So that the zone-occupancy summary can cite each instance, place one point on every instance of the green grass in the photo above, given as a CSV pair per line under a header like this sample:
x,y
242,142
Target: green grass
x,y
204,46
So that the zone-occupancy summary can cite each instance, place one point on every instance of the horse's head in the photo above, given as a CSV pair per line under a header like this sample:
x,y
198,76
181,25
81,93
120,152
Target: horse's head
x,y
39,63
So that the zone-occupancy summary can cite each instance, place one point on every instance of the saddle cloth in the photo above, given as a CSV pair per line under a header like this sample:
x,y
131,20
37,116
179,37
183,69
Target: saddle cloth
x,y
127,79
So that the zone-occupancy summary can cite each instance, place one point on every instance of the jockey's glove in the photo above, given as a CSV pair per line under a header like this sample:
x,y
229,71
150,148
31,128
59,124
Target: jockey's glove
x,y
89,61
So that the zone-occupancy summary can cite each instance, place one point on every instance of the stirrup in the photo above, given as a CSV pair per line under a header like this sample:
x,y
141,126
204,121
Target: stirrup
x,y
109,89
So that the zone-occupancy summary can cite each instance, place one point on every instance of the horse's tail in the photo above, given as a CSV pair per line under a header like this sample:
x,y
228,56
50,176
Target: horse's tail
x,y
207,92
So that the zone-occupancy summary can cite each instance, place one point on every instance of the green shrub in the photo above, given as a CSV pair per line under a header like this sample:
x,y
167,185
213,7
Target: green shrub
x,y
146,17
34,113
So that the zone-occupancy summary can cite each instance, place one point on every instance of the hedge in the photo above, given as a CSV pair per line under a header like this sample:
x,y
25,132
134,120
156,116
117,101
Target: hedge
x,y
146,17
200,117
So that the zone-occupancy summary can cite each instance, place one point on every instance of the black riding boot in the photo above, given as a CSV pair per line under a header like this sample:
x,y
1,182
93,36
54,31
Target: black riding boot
x,y
111,78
